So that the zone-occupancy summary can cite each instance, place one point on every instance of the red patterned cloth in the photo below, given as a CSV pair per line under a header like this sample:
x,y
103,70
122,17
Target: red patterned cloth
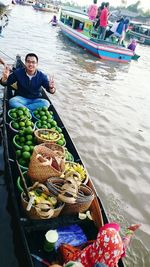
x,y
107,248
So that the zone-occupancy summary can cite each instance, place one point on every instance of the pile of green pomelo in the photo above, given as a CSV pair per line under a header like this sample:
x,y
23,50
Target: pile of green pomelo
x,y
24,140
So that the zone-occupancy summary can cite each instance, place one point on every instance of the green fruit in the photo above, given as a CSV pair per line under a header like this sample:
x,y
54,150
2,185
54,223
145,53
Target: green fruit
x,y
26,155
58,129
22,139
18,153
29,137
60,142
15,125
44,108
20,112
29,143
29,130
28,123
53,123
21,124
31,148
26,148
22,162
43,118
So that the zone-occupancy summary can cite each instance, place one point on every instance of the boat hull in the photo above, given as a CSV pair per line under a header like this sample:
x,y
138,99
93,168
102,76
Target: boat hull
x,y
100,50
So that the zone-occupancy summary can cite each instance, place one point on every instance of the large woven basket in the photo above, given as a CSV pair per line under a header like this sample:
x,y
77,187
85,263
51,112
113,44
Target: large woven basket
x,y
59,150
84,198
38,214
46,131
73,164
40,168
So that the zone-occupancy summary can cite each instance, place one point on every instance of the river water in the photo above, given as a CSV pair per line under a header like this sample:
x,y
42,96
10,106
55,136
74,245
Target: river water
x,y
106,108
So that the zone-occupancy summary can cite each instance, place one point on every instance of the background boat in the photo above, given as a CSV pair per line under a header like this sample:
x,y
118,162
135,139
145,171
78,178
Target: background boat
x,y
5,3
77,27
46,7
140,32
27,3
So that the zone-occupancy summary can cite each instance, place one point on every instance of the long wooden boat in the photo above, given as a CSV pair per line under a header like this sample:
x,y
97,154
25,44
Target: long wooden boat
x,y
30,232
46,7
140,32
26,3
5,2
77,27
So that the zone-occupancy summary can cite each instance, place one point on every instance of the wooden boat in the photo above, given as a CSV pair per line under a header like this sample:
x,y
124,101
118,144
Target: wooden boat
x,y
30,232
5,3
46,7
77,27
4,6
53,23
27,3
140,32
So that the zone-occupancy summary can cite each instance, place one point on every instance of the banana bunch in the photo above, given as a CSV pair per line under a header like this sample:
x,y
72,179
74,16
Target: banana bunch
x,y
77,168
43,198
50,136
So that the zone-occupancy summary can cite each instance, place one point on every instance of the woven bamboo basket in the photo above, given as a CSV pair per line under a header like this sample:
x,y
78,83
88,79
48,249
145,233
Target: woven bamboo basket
x,y
83,200
37,213
46,131
40,168
59,150
71,164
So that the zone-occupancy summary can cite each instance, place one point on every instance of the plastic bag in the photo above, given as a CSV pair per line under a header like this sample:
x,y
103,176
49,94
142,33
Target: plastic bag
x,y
72,235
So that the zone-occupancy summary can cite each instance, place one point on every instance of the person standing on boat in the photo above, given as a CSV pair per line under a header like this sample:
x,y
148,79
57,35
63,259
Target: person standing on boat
x,y
100,8
104,21
124,30
28,82
113,29
92,10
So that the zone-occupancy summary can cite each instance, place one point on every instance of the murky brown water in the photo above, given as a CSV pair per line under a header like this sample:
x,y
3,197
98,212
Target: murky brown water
x,y
106,108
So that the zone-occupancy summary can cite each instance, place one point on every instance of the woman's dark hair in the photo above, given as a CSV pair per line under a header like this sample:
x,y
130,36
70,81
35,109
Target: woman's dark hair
x,y
102,5
95,1
31,55
106,4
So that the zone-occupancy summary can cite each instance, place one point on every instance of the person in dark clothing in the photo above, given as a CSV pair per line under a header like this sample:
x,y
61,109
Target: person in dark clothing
x,y
113,29
28,81
98,15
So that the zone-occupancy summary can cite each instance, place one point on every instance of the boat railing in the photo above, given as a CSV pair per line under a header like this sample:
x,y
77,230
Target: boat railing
x,y
75,10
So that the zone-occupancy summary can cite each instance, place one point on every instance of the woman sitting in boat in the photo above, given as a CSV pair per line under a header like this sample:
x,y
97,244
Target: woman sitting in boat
x,y
28,81
106,250
132,45
92,10
54,20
